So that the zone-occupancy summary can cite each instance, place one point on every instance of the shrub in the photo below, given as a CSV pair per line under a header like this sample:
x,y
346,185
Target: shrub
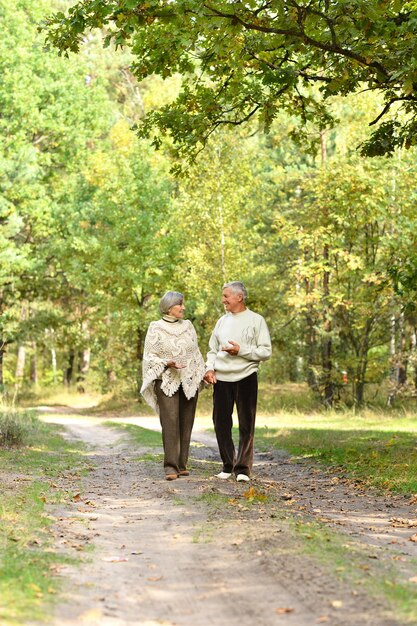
x,y
16,426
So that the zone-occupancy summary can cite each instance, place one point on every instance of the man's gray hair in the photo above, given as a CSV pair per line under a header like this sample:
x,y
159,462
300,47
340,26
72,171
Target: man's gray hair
x,y
170,299
237,287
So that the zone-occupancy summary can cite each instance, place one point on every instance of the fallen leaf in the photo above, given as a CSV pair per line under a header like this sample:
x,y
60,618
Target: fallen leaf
x,y
283,610
413,579
91,615
322,619
154,579
254,494
76,497
400,522
114,559
414,538
336,604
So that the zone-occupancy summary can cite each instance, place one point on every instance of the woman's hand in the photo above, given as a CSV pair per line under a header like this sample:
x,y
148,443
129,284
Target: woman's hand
x,y
175,364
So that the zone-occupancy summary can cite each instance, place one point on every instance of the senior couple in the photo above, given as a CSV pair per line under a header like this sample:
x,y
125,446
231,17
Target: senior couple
x,y
173,371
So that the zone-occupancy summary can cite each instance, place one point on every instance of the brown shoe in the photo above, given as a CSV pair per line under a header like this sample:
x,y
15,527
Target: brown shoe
x,y
171,476
183,473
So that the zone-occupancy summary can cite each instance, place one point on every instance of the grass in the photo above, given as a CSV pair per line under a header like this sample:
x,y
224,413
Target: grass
x,y
137,434
380,451
274,399
148,457
27,558
351,563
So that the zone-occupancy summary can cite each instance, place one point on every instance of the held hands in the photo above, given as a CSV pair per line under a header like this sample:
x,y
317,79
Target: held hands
x,y
176,365
210,377
231,348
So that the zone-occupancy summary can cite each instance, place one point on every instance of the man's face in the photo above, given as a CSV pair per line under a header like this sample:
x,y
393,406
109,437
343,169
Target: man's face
x,y
232,300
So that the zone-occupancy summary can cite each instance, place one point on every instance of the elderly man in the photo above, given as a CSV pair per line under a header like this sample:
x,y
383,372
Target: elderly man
x,y
240,341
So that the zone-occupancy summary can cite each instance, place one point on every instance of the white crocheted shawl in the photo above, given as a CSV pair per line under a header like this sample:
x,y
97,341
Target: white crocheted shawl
x,y
167,341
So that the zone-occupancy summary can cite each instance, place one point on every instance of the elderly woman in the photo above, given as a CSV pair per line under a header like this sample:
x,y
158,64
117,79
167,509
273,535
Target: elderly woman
x,y
173,369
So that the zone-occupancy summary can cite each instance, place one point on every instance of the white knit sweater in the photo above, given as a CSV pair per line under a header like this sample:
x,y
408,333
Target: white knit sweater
x,y
250,331
164,342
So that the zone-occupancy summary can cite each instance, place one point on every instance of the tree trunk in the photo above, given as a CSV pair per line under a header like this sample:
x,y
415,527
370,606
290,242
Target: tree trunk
x,y
20,364
33,365
398,354
326,343
2,351
53,364
402,356
414,355
360,380
310,339
110,371
111,377
326,350
69,371
362,367
83,364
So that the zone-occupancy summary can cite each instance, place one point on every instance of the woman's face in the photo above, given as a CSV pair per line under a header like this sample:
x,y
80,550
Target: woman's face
x,y
177,311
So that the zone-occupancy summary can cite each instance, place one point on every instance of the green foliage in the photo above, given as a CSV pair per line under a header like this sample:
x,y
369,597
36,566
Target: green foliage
x,y
93,227
48,119
244,59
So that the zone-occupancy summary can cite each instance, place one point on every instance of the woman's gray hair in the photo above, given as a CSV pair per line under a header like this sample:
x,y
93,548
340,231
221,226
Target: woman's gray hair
x,y
170,299
237,287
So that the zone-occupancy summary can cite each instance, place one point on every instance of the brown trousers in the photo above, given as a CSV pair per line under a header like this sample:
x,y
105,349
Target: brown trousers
x,y
243,393
176,414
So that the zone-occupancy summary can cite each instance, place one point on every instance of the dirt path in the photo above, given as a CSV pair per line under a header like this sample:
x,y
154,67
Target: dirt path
x,y
202,552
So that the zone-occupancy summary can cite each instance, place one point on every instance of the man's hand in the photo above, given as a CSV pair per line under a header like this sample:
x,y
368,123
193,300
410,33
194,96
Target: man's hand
x,y
232,349
210,377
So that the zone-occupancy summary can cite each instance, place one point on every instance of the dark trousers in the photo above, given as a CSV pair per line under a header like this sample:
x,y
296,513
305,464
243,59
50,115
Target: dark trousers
x,y
176,414
244,395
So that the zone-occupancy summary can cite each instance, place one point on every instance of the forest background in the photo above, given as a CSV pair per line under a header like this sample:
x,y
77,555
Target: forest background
x,y
95,225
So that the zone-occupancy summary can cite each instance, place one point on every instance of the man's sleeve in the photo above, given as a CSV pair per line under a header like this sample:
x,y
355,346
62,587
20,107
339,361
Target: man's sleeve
x,y
262,349
213,350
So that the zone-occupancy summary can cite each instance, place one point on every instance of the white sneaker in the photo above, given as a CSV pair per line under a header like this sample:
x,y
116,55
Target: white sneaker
x,y
242,478
223,475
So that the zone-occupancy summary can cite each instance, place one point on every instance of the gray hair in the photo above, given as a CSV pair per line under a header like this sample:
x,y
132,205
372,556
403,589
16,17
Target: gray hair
x,y
237,287
170,299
